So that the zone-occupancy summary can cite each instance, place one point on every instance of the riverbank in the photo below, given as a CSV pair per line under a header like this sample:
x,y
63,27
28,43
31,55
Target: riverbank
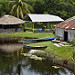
x,y
62,53
62,56
59,54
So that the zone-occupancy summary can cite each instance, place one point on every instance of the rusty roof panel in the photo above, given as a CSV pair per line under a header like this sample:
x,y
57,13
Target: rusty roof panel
x,y
67,24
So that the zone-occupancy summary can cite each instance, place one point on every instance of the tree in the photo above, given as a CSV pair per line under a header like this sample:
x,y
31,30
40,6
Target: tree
x,y
38,7
3,7
19,8
63,8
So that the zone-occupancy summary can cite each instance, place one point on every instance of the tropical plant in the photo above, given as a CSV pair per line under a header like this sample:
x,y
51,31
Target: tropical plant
x,y
3,7
19,8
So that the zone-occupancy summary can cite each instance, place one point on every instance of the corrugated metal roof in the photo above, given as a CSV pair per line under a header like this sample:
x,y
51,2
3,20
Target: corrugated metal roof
x,y
44,18
67,24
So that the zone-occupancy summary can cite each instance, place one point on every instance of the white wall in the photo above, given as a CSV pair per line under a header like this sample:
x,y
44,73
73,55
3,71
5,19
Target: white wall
x,y
60,33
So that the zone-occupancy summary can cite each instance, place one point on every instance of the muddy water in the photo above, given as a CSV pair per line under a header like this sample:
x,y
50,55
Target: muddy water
x,y
14,64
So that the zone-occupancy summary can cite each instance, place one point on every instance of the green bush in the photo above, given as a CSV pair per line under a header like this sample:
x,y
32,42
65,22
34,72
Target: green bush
x,y
73,42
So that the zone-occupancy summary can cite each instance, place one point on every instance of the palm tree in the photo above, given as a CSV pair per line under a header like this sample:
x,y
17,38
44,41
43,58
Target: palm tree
x,y
19,8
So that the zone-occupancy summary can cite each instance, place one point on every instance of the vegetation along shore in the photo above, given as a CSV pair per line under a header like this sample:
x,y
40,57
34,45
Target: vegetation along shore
x,y
62,53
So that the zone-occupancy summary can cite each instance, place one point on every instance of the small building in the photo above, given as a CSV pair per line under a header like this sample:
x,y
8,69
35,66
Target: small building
x,y
45,18
66,30
10,23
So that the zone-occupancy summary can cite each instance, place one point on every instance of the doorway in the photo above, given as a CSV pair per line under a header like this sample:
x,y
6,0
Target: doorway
x,y
65,36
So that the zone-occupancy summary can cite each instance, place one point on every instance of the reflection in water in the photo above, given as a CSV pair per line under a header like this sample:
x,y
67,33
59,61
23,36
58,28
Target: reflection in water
x,y
10,47
14,65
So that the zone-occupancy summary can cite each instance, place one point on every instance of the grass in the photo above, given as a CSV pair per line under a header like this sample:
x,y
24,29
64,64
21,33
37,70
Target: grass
x,y
63,53
27,34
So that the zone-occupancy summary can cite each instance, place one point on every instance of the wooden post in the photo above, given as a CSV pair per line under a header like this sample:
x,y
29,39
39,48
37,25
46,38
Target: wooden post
x,y
33,27
3,28
51,26
23,28
48,25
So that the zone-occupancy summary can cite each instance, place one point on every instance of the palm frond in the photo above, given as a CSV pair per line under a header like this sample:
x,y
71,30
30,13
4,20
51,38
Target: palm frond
x,y
11,12
27,6
12,1
21,12
18,11
30,8
20,8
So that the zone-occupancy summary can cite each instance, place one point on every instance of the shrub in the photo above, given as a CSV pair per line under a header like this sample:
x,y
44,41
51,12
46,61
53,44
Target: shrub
x,y
73,42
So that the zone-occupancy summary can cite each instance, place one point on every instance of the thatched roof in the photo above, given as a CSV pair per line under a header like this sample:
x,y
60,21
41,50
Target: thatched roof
x,y
10,20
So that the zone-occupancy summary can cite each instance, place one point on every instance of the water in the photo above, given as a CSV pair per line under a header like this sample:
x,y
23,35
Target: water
x,y
32,51
14,64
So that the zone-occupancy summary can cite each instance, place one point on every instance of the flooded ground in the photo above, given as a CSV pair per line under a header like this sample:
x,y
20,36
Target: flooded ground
x,y
16,64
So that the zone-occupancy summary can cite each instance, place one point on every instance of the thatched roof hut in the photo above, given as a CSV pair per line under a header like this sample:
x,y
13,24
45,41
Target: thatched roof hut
x,y
10,20
10,23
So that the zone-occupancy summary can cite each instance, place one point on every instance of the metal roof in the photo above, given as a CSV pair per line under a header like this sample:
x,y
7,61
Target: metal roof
x,y
44,18
67,24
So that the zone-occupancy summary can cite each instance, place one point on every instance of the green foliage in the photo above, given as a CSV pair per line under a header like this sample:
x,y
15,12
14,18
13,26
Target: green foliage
x,y
38,7
27,55
19,8
45,12
59,52
73,42
3,7
31,56
27,34
28,24
55,6
36,58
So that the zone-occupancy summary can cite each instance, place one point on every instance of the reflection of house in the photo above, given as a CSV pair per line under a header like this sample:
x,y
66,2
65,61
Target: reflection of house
x,y
10,23
66,29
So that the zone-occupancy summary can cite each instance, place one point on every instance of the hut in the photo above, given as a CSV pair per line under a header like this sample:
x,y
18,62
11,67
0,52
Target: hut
x,y
9,23
66,30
